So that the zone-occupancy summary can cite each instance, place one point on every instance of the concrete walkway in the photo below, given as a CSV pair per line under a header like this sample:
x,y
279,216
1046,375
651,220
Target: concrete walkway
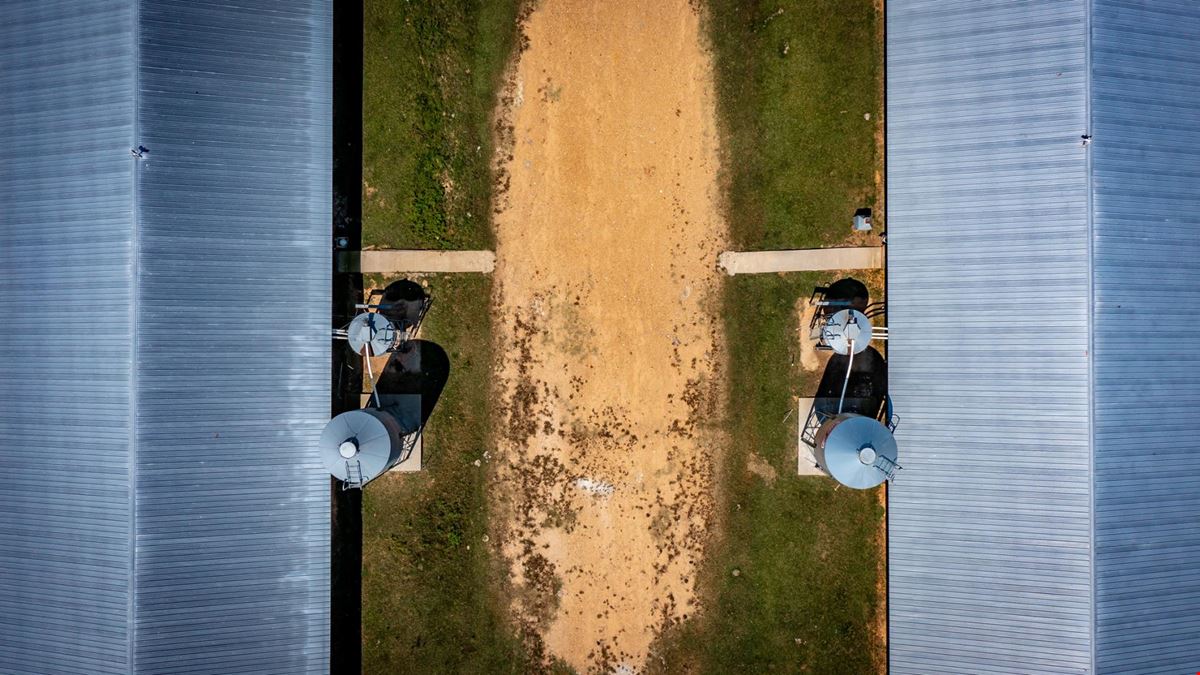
x,y
801,260
398,262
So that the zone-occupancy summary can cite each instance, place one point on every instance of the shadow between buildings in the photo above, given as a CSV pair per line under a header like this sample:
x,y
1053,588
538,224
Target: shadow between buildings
x,y
345,611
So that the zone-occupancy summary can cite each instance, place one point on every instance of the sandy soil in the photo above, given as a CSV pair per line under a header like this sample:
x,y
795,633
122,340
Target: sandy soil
x,y
607,237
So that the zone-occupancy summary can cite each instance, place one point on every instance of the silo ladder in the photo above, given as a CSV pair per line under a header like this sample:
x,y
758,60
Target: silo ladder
x,y
354,477
887,466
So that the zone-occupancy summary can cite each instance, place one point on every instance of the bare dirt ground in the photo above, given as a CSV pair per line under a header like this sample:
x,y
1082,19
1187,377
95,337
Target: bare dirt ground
x,y
608,230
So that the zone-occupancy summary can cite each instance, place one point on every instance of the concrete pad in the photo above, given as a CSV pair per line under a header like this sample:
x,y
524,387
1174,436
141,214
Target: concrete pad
x,y
411,262
801,260
413,463
806,463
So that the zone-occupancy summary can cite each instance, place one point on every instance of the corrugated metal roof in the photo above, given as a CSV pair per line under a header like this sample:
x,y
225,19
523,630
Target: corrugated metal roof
x,y
1054,426
233,336
66,194
209,270
989,522
1146,190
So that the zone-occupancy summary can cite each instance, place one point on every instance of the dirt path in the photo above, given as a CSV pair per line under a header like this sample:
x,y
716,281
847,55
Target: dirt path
x,y
607,239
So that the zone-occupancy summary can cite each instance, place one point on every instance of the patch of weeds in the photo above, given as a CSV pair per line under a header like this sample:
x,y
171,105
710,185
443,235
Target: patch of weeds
x,y
431,76
799,107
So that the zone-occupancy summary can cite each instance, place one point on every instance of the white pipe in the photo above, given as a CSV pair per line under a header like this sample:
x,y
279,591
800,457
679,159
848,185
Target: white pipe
x,y
371,375
846,383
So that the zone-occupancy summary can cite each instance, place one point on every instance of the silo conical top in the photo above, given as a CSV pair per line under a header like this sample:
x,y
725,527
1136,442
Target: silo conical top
x,y
371,329
859,451
847,328
358,436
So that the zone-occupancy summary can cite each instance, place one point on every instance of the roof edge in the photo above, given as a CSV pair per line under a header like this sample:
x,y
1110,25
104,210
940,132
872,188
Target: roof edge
x,y
1091,331
135,295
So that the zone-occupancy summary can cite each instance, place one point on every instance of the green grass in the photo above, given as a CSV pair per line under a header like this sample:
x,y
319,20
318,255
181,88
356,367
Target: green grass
x,y
431,71
798,156
807,553
431,75
428,599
